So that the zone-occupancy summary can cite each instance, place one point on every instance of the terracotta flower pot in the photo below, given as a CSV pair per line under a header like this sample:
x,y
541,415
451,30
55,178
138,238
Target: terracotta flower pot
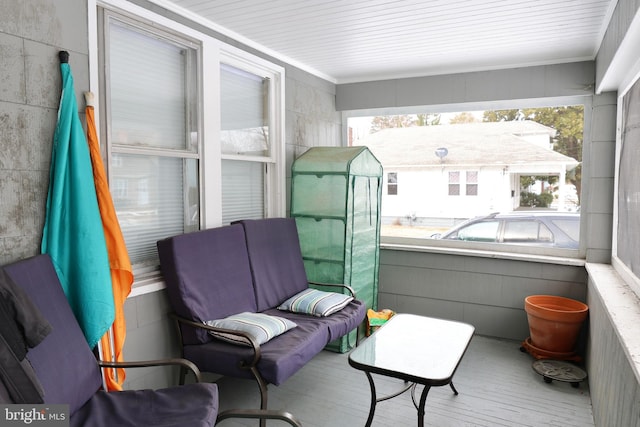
x,y
554,322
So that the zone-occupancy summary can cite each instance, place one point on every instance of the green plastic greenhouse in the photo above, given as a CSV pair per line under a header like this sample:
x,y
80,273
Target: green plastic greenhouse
x,y
335,200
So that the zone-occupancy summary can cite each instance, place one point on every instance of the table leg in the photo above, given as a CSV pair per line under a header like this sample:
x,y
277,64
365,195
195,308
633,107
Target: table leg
x,y
453,388
423,401
374,400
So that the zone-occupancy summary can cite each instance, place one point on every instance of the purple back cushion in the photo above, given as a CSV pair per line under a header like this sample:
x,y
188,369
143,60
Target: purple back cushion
x,y
63,362
276,260
208,276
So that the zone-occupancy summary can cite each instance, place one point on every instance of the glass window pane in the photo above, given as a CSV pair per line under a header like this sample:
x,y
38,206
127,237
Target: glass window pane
x,y
526,232
521,231
154,197
392,183
244,111
151,87
571,228
242,190
480,232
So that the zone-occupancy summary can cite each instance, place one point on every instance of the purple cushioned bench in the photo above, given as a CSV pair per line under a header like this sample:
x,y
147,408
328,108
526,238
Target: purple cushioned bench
x,y
249,266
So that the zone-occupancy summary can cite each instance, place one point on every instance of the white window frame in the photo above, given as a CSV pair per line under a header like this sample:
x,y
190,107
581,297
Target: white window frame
x,y
390,184
457,184
467,183
628,276
213,53
274,161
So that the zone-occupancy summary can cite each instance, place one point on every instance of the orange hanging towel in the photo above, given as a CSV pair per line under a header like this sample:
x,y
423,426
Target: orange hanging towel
x,y
119,262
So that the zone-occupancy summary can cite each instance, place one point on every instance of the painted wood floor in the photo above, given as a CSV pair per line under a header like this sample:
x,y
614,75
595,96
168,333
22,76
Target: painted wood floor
x,y
495,380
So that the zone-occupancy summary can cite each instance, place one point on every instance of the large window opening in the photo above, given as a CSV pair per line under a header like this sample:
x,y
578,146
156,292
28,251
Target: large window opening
x,y
514,172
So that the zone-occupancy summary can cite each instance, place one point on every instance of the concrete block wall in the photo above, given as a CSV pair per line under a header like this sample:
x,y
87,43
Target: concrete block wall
x,y
32,32
311,117
151,334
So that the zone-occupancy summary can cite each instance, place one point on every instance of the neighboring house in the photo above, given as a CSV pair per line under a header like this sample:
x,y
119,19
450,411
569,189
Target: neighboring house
x,y
464,170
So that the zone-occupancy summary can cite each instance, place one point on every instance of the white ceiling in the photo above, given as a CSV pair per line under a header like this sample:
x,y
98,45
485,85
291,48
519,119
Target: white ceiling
x,y
359,40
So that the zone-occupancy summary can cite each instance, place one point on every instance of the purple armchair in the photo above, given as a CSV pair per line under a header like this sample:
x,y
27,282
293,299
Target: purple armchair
x,y
68,373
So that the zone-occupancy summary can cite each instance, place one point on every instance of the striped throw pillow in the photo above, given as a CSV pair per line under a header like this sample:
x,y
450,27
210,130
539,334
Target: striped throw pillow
x,y
315,302
261,327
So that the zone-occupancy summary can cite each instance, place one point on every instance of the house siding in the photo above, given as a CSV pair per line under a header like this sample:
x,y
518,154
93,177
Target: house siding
x,y
486,292
548,81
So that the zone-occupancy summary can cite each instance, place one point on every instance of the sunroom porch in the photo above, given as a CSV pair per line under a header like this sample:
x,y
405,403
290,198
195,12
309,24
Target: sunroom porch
x,y
496,381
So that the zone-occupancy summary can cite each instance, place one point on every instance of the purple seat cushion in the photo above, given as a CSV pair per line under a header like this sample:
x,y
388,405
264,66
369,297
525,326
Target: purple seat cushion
x,y
193,405
280,358
276,260
63,362
208,276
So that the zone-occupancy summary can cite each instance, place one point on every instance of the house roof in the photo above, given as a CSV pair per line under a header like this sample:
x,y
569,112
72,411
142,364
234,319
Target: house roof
x,y
496,143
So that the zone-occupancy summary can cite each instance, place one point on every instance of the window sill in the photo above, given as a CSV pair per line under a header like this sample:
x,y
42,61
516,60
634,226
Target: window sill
x,y
483,253
147,285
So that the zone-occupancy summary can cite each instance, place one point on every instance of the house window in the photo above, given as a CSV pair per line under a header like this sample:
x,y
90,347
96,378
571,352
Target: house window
x,y
392,183
152,134
454,183
472,183
247,141
192,131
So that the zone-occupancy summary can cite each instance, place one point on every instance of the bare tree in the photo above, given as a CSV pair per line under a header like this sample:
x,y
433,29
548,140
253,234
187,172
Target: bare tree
x,y
464,117
384,122
402,121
